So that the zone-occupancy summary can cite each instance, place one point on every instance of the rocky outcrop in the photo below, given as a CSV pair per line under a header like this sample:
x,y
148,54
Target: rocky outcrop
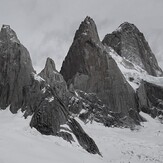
x,y
54,79
90,108
50,115
130,43
15,69
84,140
150,98
89,67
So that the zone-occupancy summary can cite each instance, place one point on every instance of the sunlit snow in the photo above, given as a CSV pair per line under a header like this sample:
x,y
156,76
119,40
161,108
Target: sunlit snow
x,y
21,144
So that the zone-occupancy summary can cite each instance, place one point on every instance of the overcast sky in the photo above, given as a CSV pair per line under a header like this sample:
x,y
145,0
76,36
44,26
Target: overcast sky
x,y
47,27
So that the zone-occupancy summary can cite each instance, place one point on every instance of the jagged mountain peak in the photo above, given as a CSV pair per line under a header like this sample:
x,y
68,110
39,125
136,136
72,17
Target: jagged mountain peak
x,y
131,44
126,26
89,20
15,69
5,27
89,67
8,34
54,78
50,64
86,43
49,69
87,29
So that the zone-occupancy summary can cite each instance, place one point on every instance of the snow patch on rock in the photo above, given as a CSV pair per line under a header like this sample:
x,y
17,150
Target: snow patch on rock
x,y
37,77
134,74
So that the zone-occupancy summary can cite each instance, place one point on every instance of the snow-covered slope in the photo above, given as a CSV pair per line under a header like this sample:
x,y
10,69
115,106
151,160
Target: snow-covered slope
x,y
133,73
19,143
143,145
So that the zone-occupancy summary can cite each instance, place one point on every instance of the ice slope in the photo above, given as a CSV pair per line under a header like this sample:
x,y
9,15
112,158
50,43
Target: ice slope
x,y
21,144
133,73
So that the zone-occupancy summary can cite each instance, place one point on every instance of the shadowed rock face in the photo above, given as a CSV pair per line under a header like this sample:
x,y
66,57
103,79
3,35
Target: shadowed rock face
x,y
89,67
84,140
83,37
54,79
130,43
90,108
151,98
15,69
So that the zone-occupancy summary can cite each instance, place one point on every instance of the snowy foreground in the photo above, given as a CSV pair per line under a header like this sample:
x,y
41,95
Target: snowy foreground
x,y
21,144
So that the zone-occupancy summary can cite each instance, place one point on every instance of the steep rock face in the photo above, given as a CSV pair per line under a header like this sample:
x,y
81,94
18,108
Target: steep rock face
x,y
130,43
15,69
89,67
54,78
151,98
83,37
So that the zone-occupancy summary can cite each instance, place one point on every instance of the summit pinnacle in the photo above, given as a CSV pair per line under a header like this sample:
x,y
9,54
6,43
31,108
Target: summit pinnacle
x,y
130,43
7,34
87,29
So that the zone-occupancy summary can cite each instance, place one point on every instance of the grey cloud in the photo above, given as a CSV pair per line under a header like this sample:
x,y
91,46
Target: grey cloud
x,y
47,28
